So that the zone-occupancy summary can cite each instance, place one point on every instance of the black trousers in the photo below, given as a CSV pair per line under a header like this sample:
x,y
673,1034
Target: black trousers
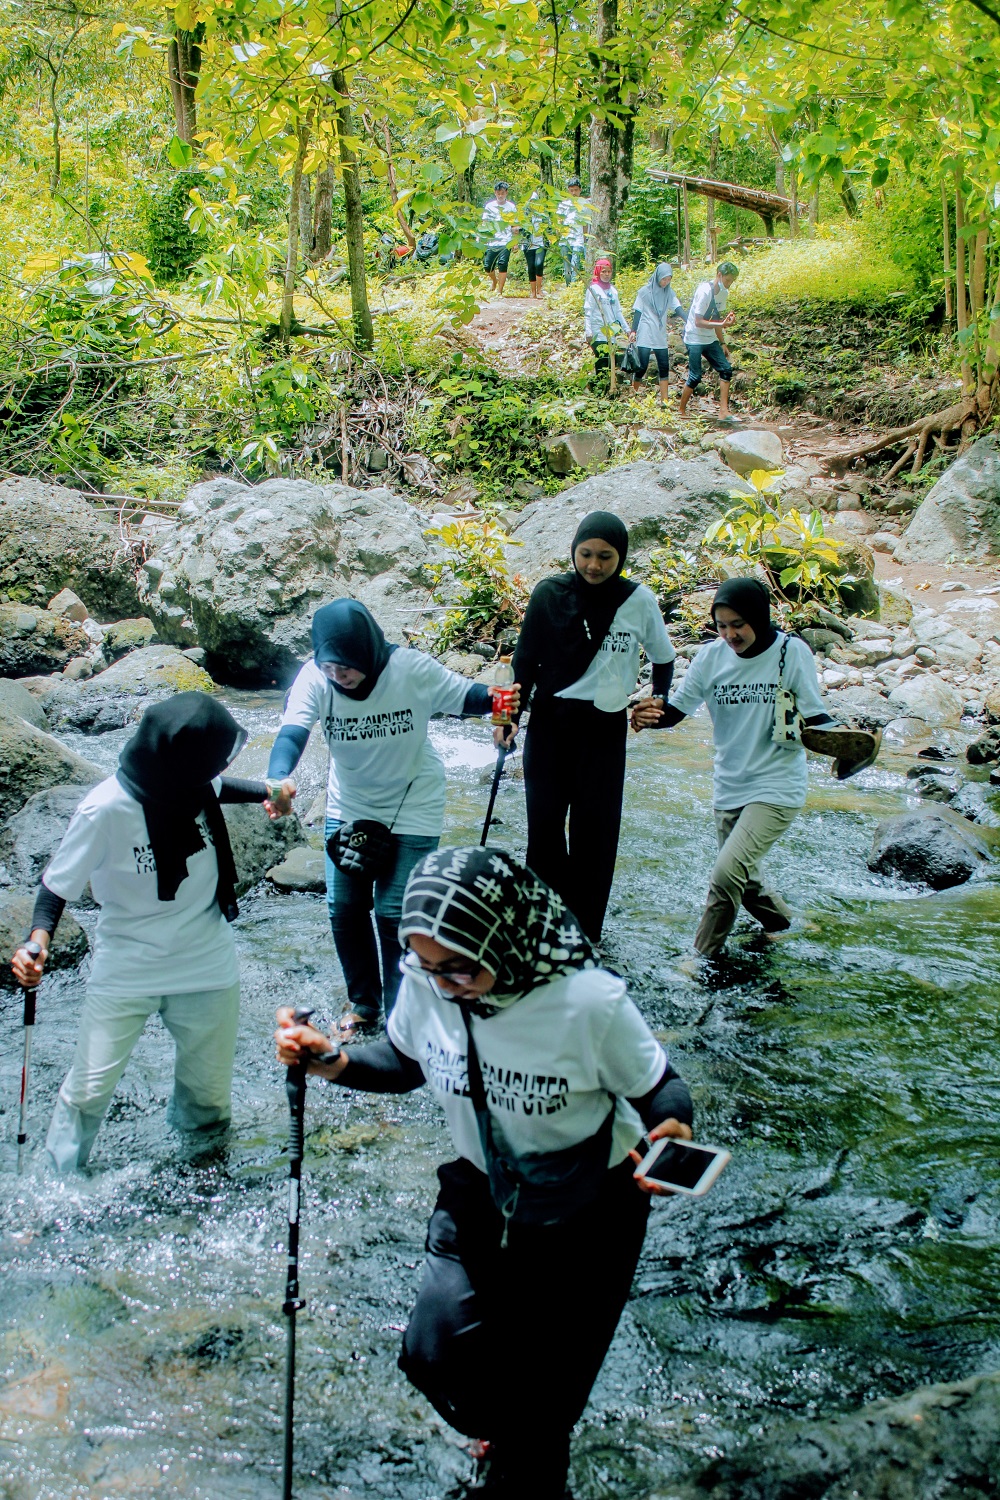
x,y
574,767
507,1343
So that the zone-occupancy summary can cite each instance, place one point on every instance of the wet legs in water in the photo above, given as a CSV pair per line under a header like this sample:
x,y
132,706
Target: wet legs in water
x,y
745,836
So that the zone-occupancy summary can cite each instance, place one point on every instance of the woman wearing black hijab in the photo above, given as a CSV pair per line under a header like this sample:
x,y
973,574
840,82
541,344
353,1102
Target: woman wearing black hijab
x,y
579,653
536,1055
374,702
759,785
153,844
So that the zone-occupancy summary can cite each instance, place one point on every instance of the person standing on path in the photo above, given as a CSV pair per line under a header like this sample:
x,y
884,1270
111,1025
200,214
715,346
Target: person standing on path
x,y
759,786
374,702
575,212
542,1065
499,216
153,843
602,315
579,651
704,333
534,246
655,304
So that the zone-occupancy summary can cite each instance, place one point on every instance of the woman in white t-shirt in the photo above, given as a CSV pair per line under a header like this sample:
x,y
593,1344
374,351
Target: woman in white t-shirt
x,y
655,304
603,317
373,702
579,650
547,1074
760,786
152,842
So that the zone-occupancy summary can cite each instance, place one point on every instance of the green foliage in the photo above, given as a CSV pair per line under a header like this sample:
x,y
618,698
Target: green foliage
x,y
671,571
647,231
822,269
489,599
171,247
906,231
793,551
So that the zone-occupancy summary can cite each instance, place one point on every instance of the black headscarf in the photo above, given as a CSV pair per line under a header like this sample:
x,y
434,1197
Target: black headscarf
x,y
567,617
168,766
345,632
487,907
751,600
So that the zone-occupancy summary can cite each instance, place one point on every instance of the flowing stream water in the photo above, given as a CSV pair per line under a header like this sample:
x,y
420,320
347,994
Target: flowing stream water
x,y
850,1251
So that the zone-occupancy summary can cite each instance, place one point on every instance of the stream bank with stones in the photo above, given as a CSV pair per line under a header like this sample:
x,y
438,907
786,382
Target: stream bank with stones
x,y
849,1254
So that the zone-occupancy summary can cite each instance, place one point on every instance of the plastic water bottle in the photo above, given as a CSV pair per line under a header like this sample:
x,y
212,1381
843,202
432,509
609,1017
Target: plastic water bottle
x,y
502,692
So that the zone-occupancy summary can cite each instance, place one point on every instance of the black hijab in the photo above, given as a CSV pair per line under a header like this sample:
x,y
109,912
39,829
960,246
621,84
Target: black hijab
x,y
751,600
568,618
168,766
346,633
487,907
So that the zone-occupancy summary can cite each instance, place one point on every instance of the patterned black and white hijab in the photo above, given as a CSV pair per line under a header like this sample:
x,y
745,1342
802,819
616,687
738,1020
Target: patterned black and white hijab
x,y
487,907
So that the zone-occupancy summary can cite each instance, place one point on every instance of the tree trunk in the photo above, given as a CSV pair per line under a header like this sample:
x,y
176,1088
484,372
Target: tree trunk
x,y
306,219
612,137
849,198
949,307
793,217
361,316
711,234
294,218
814,208
545,157
977,280
56,172
687,224
961,304
658,139
183,70
986,394
323,213
578,151
779,165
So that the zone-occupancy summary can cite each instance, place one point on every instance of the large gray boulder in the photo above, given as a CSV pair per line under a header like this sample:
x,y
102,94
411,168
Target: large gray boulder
x,y
52,538
941,1442
675,500
243,571
30,761
258,844
68,948
29,839
117,697
929,698
931,845
960,517
15,699
751,449
33,640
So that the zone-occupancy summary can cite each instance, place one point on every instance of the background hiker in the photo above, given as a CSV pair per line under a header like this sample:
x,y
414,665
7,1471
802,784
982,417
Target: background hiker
x,y
153,844
704,335
504,1014
374,702
575,212
499,215
655,304
579,651
534,246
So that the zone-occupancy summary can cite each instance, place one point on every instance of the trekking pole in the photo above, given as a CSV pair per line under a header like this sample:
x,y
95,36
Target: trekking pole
x,y
33,950
295,1087
501,757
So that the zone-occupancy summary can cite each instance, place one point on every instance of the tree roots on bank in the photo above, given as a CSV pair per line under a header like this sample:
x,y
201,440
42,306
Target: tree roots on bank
x,y
964,417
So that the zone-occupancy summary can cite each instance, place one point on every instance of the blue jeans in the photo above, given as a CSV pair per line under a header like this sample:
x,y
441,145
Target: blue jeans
x,y
572,259
713,352
350,899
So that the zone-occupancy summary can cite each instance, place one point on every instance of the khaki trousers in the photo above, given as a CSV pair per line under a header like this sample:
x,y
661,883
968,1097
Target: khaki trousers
x,y
745,836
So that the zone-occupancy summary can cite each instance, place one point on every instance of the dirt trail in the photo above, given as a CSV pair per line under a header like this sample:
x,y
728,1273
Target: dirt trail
x,y
493,325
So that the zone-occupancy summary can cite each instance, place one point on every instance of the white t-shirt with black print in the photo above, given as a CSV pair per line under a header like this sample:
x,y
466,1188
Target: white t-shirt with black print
x,y
612,675
143,946
379,744
498,219
549,1062
699,308
740,695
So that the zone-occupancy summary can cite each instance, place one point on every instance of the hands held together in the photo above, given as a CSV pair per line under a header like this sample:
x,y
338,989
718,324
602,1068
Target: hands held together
x,y
647,713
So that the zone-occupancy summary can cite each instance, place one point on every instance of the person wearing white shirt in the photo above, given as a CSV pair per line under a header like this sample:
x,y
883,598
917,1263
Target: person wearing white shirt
x,y
602,316
547,1075
534,245
374,703
579,650
153,844
704,332
575,212
499,217
655,304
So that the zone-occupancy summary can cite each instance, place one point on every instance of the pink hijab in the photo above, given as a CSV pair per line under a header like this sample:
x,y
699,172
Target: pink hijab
x,y
599,266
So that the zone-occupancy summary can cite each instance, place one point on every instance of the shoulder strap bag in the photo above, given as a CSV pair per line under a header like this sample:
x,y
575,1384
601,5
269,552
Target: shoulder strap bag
x,y
363,846
539,1188
787,730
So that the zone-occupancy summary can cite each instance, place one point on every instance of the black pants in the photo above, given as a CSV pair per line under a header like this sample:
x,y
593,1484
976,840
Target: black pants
x,y
574,764
534,259
662,357
507,1343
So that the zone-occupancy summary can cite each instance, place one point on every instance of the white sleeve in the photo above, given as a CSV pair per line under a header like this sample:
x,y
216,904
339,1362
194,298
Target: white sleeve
x,y
631,1060
691,694
800,676
305,699
701,299
83,848
399,1027
655,638
591,316
446,690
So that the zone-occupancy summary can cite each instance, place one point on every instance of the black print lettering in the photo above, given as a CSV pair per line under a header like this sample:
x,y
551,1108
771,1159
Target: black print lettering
x,y
617,640
744,694
506,1088
382,726
145,864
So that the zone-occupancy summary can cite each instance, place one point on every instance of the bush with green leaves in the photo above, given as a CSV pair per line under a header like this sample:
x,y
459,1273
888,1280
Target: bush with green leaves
x,y
792,551
474,581
171,247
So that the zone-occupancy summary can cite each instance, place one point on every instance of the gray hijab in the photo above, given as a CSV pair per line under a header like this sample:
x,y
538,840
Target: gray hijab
x,y
659,296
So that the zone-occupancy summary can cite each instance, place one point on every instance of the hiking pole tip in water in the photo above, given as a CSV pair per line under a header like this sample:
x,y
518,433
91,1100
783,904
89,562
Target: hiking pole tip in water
x,y
33,951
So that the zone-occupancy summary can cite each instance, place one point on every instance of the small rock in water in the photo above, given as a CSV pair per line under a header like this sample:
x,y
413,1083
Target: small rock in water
x,y
953,587
304,869
931,845
69,605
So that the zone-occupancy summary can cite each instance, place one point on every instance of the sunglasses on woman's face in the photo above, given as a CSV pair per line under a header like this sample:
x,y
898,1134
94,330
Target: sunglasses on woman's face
x,y
460,971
